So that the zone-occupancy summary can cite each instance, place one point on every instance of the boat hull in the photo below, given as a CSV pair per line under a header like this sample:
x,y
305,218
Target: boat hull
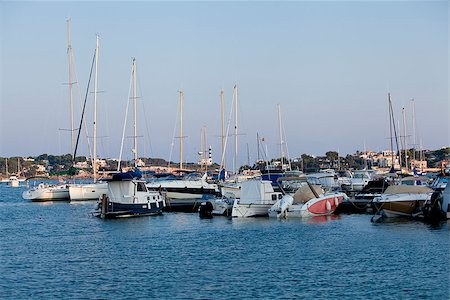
x,y
120,210
408,205
86,192
47,194
322,206
250,210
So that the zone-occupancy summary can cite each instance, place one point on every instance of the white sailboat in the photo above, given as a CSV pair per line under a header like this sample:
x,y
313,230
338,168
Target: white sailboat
x,y
184,193
90,191
60,192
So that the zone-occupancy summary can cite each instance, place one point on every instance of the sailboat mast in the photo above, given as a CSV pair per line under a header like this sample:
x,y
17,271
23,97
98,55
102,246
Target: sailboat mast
x,y
94,167
181,129
414,129
135,113
223,122
390,129
236,128
281,134
69,57
404,139
257,146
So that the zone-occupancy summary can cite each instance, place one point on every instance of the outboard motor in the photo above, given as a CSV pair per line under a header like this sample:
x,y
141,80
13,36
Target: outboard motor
x,y
205,210
432,210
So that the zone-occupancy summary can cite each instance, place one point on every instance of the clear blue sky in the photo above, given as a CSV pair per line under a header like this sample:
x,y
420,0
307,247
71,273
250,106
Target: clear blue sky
x,y
329,65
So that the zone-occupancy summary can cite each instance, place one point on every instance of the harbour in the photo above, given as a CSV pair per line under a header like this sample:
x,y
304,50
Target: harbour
x,y
61,250
224,150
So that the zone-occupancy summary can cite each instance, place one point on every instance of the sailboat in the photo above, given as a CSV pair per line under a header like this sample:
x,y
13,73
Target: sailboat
x,y
91,191
58,192
185,192
127,195
406,198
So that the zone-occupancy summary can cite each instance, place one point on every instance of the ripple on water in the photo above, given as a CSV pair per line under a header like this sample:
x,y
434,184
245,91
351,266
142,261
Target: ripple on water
x,y
60,250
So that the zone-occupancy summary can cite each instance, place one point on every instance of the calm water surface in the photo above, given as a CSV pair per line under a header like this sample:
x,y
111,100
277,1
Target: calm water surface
x,y
58,250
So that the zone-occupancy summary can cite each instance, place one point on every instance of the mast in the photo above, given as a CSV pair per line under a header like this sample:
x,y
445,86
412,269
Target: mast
x,y
135,113
181,129
236,128
281,135
390,130
223,123
257,146
404,138
69,57
398,141
94,167
414,129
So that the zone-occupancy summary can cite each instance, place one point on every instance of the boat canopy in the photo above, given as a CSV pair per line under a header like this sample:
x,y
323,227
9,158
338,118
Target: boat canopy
x,y
255,191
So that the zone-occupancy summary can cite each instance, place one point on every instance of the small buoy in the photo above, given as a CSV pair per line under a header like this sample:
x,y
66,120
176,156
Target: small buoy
x,y
328,206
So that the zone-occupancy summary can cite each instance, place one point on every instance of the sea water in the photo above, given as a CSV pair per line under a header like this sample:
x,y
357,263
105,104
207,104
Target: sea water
x,y
59,250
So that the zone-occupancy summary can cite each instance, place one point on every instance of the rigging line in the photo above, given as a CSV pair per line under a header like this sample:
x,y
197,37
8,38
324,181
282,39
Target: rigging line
x,y
84,105
125,122
395,130
80,102
147,127
173,137
227,134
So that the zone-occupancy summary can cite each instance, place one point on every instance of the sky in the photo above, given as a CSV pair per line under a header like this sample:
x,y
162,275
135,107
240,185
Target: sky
x,y
330,66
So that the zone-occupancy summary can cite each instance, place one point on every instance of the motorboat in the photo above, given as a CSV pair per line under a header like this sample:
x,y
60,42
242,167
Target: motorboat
x,y
13,181
257,196
128,196
358,180
185,193
90,191
308,201
47,192
405,199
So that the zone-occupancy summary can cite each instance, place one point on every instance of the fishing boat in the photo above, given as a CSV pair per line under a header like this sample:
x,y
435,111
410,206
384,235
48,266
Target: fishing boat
x,y
128,196
405,199
257,196
308,201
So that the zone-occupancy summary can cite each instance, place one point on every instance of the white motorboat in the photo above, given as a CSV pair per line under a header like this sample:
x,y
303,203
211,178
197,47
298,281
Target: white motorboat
x,y
307,201
13,181
257,196
91,191
46,192
358,180
186,192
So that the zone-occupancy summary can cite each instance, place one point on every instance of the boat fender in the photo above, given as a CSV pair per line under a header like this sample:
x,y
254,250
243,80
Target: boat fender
x,y
328,205
336,201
